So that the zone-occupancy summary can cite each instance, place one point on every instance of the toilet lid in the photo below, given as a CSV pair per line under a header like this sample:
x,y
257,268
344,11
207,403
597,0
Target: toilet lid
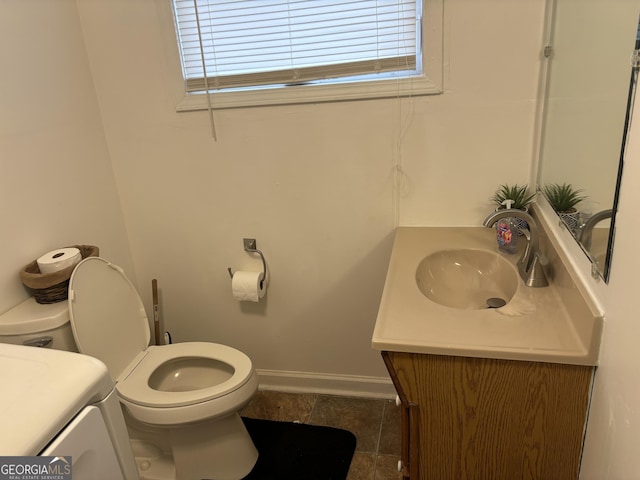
x,y
107,316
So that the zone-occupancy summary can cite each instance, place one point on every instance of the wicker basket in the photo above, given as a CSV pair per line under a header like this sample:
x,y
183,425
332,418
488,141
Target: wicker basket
x,y
52,287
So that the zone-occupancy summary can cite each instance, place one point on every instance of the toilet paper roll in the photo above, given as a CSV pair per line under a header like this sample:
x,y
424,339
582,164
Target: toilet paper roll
x,y
60,259
248,286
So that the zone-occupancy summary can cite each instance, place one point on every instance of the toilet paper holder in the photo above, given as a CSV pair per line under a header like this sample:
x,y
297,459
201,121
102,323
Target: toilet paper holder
x,y
251,247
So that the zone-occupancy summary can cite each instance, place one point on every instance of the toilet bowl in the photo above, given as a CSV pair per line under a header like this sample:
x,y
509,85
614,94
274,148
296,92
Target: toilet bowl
x,y
188,393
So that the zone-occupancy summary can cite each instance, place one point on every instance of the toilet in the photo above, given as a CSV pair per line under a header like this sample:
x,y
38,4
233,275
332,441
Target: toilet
x,y
33,324
182,397
181,402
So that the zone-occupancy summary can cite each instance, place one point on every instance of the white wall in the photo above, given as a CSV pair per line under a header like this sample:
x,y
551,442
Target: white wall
x,y
56,182
614,420
313,183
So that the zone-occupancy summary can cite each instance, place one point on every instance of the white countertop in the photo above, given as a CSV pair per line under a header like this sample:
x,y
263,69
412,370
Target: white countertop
x,y
42,390
550,324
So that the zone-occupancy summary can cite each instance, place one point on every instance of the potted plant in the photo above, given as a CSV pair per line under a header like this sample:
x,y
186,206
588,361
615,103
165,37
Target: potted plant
x,y
520,200
519,195
563,198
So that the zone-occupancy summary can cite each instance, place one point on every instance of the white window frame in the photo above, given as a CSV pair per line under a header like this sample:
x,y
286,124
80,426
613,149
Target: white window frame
x,y
427,83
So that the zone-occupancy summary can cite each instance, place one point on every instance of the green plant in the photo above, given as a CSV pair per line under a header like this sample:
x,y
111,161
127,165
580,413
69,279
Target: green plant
x,y
563,197
519,194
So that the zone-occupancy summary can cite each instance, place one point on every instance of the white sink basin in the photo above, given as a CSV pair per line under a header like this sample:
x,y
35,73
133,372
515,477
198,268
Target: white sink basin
x,y
435,294
467,279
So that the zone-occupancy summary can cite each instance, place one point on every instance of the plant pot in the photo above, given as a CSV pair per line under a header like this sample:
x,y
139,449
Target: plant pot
x,y
571,219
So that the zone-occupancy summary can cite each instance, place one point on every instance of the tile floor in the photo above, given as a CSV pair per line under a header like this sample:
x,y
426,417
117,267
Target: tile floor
x,y
374,422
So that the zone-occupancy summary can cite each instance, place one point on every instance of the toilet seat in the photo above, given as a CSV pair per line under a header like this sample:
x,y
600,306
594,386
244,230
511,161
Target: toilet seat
x,y
109,322
136,388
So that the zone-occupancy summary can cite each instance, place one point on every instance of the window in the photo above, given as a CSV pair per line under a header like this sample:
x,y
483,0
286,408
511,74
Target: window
x,y
260,52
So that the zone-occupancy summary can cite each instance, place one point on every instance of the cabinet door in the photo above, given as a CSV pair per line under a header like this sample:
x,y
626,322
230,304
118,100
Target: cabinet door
x,y
495,419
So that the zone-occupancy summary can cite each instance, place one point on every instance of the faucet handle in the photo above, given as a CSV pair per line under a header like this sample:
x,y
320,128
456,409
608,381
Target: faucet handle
x,y
525,232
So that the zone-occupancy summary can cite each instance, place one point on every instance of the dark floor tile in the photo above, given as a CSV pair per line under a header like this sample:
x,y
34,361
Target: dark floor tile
x,y
387,468
390,434
363,467
375,423
280,406
361,416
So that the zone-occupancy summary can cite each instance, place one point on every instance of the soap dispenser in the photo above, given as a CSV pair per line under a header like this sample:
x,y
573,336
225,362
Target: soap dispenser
x,y
507,232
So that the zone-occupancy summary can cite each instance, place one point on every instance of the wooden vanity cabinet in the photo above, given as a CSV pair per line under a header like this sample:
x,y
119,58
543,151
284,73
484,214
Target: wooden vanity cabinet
x,y
489,419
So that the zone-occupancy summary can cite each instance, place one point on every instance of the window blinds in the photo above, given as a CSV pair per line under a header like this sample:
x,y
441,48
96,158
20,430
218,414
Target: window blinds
x,y
266,42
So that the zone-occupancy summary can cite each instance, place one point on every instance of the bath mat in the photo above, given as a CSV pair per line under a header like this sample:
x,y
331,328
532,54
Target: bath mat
x,y
297,451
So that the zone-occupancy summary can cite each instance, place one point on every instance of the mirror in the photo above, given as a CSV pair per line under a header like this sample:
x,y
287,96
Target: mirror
x,y
588,94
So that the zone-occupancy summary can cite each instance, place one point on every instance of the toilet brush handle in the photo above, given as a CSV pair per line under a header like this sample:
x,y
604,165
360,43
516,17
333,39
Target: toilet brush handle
x,y
156,318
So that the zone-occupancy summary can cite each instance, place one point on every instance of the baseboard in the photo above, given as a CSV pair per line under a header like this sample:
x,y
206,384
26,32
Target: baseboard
x,y
330,384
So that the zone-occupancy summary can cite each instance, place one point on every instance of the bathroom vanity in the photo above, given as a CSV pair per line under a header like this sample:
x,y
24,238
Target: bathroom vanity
x,y
497,393
481,418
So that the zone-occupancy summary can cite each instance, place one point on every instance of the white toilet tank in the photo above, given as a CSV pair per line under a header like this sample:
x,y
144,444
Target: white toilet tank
x,y
40,325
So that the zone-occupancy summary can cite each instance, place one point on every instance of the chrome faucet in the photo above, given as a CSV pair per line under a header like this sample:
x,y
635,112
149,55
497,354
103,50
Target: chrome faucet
x,y
532,260
587,229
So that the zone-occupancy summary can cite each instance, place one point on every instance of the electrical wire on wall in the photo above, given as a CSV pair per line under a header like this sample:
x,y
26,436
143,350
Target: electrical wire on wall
x,y
204,71
401,182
